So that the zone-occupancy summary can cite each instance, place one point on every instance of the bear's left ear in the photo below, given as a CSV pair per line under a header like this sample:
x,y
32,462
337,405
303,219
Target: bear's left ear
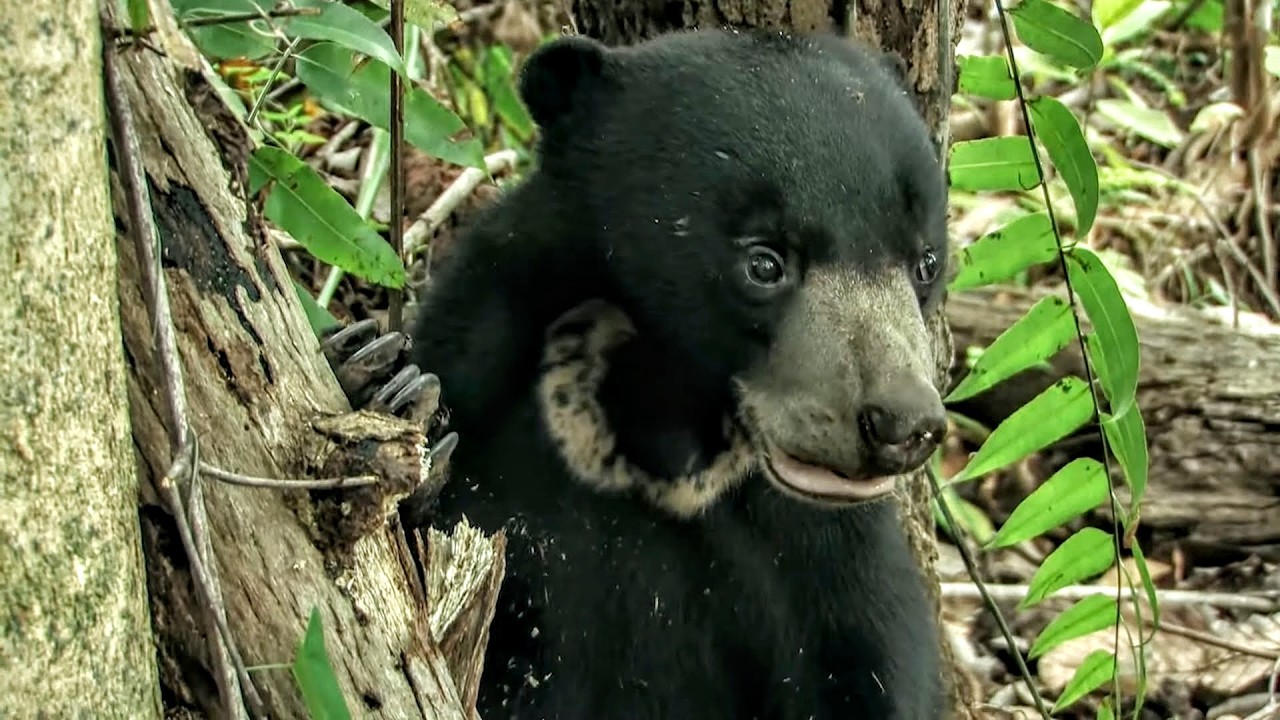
x,y
557,76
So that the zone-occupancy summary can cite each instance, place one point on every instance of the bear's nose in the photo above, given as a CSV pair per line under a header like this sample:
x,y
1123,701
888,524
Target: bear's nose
x,y
901,432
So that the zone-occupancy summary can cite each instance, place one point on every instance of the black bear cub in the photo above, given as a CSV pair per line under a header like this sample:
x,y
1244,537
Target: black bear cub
x,y
686,358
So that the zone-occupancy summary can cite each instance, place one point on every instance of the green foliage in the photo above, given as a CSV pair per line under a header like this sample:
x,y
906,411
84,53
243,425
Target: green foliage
x,y
1090,614
1081,485
1052,31
346,27
360,89
1086,554
1050,416
1062,48
999,163
314,674
1097,668
1003,253
249,39
139,13
1037,336
986,76
301,203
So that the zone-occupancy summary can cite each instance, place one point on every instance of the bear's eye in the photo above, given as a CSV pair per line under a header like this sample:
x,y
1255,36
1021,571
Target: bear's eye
x,y
927,267
765,267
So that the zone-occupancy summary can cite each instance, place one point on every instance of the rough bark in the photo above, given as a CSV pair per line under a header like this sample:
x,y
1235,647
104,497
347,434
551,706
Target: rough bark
x,y
74,634
263,402
1210,397
924,35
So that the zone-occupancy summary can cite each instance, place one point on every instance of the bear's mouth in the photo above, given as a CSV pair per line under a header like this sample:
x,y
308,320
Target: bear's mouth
x,y
821,484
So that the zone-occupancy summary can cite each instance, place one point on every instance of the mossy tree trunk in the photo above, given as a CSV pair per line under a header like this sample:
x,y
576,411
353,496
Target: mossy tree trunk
x,y
924,34
75,638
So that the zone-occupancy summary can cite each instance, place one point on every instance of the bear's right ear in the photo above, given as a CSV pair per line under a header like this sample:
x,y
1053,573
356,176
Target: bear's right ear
x,y
556,76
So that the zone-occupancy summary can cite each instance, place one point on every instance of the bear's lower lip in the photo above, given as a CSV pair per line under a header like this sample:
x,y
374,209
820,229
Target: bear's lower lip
x,y
819,483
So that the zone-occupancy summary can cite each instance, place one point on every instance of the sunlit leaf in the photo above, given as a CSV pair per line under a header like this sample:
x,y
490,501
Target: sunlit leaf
x,y
1127,438
348,27
330,71
1086,554
1062,137
972,520
1109,12
1005,252
1104,710
314,673
1154,125
1052,31
301,203
999,163
1078,487
1117,336
499,85
1096,669
430,15
1271,60
1037,336
1050,416
1138,22
1091,614
986,76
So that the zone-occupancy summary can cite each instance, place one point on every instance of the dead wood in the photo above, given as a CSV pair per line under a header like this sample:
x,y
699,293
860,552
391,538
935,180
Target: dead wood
x,y
262,401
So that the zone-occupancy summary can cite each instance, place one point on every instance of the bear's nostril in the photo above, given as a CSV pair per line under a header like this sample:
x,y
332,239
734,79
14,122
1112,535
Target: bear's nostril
x,y
900,438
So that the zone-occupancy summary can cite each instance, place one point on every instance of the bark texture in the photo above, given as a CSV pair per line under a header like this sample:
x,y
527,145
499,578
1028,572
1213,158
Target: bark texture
x,y
263,402
74,633
1210,397
924,35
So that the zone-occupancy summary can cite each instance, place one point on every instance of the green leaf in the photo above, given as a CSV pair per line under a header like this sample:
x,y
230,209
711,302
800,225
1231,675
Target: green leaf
x,y
1062,137
1079,486
139,12
1096,669
972,520
1050,416
349,28
1104,710
986,76
301,203
1052,31
1151,124
1149,585
1127,438
1138,22
999,163
250,39
1003,253
1117,337
330,72
1109,12
319,318
1091,614
500,86
314,673
1084,555
1037,336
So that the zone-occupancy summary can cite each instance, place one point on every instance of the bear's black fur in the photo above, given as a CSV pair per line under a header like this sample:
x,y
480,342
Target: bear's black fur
x,y
714,285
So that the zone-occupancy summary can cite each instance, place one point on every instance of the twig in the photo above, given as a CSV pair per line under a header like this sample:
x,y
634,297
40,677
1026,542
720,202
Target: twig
x,y
395,311
451,198
142,230
1214,640
972,568
288,483
224,19
1010,593
275,72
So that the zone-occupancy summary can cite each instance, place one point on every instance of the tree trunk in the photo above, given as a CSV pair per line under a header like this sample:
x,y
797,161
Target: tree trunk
x,y
263,402
924,35
1212,416
74,632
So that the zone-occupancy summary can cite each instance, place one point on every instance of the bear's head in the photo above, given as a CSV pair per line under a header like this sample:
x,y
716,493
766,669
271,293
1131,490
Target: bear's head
x,y
771,208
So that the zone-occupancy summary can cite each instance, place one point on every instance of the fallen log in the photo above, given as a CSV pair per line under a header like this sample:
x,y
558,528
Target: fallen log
x,y
1210,396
